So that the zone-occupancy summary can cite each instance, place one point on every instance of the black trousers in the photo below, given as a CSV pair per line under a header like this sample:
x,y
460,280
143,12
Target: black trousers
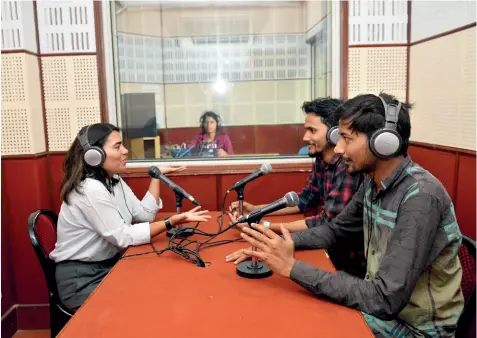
x,y
76,280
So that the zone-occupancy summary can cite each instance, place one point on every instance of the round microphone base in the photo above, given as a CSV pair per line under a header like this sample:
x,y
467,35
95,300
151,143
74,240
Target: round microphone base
x,y
250,270
183,234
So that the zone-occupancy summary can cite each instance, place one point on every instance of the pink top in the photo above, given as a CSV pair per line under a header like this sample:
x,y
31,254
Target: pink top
x,y
221,141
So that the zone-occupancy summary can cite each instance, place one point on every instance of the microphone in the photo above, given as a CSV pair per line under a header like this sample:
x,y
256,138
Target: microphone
x,y
264,169
154,172
289,200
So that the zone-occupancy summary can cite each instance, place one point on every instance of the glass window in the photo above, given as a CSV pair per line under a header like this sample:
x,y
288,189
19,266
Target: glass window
x,y
200,80
321,57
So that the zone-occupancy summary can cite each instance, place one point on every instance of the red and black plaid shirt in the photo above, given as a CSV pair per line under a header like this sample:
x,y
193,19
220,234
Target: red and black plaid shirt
x,y
328,189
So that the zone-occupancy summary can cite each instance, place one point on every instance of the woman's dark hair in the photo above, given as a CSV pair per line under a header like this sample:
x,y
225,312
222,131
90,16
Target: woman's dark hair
x,y
76,170
212,115
368,115
324,108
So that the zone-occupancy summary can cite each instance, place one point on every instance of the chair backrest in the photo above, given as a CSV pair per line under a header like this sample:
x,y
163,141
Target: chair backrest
x,y
467,252
42,231
467,260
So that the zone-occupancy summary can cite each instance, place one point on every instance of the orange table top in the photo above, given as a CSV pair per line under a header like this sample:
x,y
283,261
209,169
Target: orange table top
x,y
168,296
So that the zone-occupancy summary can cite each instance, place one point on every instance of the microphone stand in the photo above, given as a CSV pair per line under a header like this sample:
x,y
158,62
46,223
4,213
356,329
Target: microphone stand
x,y
183,233
240,199
252,269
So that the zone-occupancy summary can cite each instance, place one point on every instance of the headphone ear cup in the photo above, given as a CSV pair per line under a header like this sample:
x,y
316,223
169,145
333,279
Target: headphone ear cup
x,y
333,135
94,156
385,143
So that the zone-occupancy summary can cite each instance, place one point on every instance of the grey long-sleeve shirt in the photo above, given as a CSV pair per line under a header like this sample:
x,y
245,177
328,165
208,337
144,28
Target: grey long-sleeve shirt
x,y
411,237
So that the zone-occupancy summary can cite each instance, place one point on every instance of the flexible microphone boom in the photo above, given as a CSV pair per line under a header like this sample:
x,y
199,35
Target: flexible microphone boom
x,y
264,169
154,172
289,200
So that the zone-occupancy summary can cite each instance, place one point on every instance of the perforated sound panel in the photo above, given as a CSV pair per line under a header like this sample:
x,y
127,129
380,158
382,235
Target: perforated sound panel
x,y
66,26
442,87
15,138
372,70
58,123
71,97
145,59
13,85
18,25
242,103
55,80
22,119
86,79
377,22
87,115
434,17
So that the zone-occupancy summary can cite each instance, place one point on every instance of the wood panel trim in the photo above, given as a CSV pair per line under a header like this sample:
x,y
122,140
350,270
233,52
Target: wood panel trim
x,y
246,167
69,54
344,49
442,148
40,320
16,51
372,45
40,70
440,35
25,156
10,322
225,128
100,55
224,170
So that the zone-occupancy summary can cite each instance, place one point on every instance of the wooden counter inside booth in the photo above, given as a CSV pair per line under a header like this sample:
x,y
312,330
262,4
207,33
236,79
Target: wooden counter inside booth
x,y
167,296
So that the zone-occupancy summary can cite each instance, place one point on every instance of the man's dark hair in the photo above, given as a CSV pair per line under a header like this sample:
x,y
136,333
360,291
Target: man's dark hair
x,y
324,108
367,115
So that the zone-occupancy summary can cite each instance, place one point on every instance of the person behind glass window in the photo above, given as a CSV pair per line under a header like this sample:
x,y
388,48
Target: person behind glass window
x,y
98,209
211,140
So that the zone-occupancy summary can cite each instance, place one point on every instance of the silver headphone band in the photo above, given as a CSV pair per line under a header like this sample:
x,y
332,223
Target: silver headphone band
x,y
391,113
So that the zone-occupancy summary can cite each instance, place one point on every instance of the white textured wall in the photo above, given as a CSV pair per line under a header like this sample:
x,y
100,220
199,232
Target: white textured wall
x,y
430,18
442,87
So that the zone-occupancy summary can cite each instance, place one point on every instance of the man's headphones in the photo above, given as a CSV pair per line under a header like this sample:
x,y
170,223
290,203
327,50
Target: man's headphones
x,y
93,156
215,116
333,135
386,142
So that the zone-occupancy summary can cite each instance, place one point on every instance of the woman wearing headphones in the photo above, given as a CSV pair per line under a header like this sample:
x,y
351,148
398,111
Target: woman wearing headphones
x,y
98,207
211,138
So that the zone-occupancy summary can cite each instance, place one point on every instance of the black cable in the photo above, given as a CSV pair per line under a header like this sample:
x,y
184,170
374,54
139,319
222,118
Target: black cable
x,y
181,247
124,195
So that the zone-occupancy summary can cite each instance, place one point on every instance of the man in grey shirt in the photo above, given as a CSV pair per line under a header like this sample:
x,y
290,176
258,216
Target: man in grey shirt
x,y
406,218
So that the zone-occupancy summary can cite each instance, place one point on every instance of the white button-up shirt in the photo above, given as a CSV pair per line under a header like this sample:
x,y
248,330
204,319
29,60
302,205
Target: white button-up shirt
x,y
96,224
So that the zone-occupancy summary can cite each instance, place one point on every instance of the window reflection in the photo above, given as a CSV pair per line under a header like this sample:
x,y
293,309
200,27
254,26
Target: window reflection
x,y
249,65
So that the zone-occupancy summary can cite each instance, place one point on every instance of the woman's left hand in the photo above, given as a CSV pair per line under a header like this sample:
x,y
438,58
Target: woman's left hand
x,y
221,152
167,169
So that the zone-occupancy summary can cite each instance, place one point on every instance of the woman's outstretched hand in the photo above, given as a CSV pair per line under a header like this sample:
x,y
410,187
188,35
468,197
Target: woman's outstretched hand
x,y
193,215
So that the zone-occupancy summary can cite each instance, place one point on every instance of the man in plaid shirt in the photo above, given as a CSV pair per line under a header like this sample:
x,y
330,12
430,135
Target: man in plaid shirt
x,y
329,186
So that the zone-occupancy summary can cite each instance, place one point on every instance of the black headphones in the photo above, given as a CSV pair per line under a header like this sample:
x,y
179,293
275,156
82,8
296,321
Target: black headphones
x,y
93,156
215,116
386,142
